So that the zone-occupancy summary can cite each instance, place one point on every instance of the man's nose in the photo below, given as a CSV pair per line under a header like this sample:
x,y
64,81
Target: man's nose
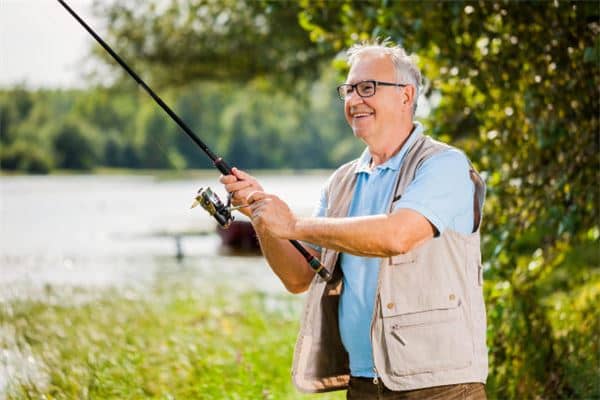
x,y
353,98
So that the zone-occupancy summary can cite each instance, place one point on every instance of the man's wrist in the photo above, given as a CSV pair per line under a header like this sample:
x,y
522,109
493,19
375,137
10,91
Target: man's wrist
x,y
300,229
261,231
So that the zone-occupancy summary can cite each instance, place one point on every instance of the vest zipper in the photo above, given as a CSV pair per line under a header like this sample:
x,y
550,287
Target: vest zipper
x,y
377,297
376,378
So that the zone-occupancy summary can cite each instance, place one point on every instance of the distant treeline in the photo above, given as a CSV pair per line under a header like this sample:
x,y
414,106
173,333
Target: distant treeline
x,y
255,125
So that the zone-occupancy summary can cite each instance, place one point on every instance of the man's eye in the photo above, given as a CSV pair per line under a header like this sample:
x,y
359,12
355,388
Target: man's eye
x,y
367,86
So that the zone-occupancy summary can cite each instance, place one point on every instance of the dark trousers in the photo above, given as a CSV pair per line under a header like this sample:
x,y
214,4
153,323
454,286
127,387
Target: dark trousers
x,y
365,389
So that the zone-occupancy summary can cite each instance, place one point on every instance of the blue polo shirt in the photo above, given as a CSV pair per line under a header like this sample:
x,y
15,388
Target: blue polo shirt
x,y
442,192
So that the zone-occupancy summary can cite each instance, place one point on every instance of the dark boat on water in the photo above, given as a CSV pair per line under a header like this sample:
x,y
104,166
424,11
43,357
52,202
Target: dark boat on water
x,y
240,235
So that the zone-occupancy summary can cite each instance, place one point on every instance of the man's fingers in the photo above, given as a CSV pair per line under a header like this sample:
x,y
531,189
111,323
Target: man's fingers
x,y
255,196
227,179
257,208
235,176
237,186
258,204
241,174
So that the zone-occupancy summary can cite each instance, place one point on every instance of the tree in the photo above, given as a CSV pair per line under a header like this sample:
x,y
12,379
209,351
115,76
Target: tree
x,y
175,42
14,106
155,139
74,146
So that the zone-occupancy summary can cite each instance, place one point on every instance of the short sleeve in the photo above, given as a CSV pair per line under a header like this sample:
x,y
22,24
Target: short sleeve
x,y
321,207
442,191
320,210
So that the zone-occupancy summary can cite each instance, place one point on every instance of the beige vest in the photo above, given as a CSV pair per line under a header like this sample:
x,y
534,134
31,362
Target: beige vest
x,y
429,322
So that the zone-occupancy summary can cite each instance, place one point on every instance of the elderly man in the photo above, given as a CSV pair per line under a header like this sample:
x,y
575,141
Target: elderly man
x,y
403,316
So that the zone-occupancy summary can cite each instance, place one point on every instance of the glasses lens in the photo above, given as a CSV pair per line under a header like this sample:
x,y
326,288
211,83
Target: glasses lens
x,y
366,88
343,91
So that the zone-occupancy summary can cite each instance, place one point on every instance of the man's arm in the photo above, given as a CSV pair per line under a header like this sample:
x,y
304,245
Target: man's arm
x,y
440,196
369,236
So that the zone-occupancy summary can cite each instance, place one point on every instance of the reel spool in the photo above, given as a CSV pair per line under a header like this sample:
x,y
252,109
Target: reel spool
x,y
214,206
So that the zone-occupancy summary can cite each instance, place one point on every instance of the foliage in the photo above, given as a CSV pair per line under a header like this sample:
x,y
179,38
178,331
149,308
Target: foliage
x,y
17,109
175,42
170,344
272,127
563,307
73,146
20,156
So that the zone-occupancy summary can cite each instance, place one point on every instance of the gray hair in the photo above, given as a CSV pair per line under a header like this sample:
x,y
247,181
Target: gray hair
x,y
406,69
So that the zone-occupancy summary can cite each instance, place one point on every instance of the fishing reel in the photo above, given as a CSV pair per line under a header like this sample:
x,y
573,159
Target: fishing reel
x,y
215,207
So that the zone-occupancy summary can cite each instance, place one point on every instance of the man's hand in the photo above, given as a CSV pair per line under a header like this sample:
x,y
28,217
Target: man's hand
x,y
271,214
240,185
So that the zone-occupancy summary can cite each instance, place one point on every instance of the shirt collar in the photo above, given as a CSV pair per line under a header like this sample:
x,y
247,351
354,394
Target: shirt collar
x,y
395,161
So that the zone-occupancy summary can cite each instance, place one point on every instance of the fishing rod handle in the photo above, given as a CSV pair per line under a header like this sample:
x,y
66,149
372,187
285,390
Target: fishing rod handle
x,y
313,261
222,166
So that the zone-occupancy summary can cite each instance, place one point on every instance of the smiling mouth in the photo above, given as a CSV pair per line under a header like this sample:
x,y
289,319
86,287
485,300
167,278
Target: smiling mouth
x,y
361,115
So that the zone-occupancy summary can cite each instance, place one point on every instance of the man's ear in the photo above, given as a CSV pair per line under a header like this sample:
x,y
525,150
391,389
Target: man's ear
x,y
408,94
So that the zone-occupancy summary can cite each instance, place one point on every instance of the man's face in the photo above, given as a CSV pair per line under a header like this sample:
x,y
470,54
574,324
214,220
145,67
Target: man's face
x,y
373,117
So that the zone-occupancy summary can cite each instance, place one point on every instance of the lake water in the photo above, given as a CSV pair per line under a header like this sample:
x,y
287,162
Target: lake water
x,y
103,231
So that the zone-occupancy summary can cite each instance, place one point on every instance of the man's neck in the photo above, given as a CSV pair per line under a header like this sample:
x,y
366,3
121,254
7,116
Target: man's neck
x,y
384,151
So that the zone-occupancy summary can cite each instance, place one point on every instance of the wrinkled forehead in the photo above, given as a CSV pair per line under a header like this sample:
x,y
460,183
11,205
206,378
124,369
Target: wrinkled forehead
x,y
371,66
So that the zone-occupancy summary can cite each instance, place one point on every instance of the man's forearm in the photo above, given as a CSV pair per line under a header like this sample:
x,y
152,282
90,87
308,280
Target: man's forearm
x,y
370,236
287,263
360,236
381,235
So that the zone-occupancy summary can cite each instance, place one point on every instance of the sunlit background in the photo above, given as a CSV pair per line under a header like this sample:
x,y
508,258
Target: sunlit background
x,y
112,287
44,47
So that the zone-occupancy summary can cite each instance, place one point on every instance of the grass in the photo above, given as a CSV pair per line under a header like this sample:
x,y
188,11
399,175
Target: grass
x,y
173,343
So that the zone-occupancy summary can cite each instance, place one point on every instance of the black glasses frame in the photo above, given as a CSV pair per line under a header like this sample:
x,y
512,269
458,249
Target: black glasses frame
x,y
343,92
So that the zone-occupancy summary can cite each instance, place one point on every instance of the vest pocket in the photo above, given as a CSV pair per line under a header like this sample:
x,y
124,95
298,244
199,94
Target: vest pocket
x,y
428,341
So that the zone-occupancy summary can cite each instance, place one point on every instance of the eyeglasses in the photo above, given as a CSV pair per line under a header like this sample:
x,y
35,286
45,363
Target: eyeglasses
x,y
363,88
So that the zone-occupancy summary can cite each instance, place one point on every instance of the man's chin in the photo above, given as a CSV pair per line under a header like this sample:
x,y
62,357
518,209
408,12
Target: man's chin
x,y
360,133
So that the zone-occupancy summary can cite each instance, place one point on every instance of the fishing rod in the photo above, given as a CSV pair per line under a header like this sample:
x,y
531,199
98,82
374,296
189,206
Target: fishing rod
x,y
205,197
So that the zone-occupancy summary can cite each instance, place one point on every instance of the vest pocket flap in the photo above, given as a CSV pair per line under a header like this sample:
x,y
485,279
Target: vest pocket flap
x,y
425,317
413,308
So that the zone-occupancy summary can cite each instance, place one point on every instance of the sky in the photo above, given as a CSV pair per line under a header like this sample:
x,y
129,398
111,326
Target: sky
x,y
41,45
